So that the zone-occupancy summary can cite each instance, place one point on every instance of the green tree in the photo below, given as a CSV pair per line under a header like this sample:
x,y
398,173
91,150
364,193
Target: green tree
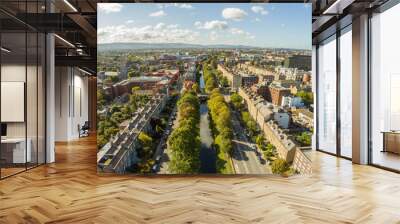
x,y
224,82
112,79
236,100
115,108
135,89
117,117
221,129
184,141
245,116
279,166
159,129
195,88
306,97
304,138
146,143
101,100
224,143
145,139
133,73
260,140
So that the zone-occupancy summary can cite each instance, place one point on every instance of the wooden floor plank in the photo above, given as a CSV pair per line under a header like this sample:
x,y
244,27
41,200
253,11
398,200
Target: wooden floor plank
x,y
70,191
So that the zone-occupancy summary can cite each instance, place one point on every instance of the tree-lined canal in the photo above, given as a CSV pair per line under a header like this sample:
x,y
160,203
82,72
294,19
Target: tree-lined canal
x,y
207,152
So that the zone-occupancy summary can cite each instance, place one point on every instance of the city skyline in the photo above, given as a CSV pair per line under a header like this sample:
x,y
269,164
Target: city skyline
x,y
288,25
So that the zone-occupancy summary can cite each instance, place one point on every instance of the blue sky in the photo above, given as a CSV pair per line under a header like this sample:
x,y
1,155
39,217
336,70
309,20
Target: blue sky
x,y
280,25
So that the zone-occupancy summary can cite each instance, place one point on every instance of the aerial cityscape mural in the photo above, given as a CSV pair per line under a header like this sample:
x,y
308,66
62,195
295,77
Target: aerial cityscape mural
x,y
221,88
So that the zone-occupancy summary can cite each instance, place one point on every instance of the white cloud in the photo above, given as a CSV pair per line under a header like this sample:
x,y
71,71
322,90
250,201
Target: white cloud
x,y
158,14
172,26
257,20
237,31
159,33
109,7
213,36
233,13
159,26
251,37
179,5
211,25
129,21
183,5
259,9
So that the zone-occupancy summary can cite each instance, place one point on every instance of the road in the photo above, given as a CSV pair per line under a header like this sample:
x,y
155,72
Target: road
x,y
208,155
163,169
244,158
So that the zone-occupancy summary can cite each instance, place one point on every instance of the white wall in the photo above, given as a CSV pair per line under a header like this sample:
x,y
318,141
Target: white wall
x,y
33,126
12,73
71,102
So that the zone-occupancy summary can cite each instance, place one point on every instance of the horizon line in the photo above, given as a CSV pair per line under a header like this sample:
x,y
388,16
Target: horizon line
x,y
204,45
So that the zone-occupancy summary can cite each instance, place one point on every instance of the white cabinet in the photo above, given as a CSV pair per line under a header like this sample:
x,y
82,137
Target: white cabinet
x,y
19,155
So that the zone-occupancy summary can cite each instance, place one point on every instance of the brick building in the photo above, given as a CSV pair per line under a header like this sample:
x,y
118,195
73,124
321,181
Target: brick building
x,y
277,92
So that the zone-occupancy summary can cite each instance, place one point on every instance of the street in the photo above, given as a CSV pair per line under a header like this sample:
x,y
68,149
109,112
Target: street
x,y
163,168
244,158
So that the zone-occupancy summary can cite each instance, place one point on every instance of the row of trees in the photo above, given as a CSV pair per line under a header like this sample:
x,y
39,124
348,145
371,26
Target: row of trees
x,y
247,120
145,153
250,124
184,141
236,101
268,150
220,117
210,78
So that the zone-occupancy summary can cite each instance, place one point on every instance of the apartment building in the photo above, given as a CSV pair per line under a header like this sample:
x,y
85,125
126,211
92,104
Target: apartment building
x,y
272,121
153,83
120,152
235,80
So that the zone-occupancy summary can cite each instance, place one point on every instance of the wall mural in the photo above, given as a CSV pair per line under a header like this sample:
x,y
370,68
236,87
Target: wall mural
x,y
204,88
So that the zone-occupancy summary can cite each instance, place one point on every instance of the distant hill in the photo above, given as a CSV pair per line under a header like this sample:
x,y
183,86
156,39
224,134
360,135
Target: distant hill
x,y
141,46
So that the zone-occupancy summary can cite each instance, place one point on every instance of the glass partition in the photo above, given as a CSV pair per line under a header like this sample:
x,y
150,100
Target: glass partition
x,y
346,92
22,101
14,155
385,89
327,96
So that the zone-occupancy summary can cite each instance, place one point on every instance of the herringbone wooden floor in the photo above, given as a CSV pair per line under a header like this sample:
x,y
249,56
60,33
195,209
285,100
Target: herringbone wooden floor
x,y
70,191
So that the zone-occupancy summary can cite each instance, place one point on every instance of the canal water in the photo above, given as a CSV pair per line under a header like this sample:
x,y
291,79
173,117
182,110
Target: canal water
x,y
208,155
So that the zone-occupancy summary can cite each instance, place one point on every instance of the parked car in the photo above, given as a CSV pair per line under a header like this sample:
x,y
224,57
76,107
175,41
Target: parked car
x,y
155,168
